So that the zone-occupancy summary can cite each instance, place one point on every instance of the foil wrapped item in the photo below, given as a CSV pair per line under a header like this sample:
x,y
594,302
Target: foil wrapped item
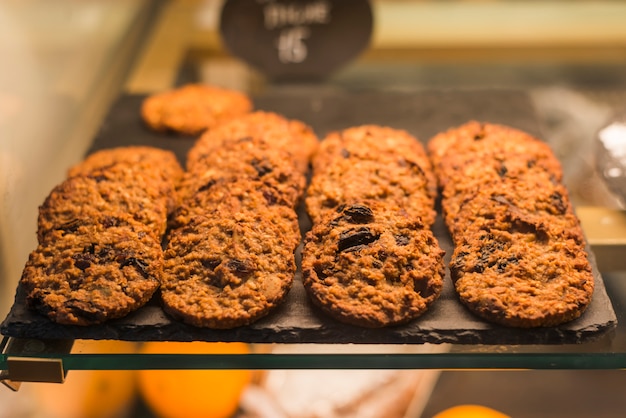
x,y
611,156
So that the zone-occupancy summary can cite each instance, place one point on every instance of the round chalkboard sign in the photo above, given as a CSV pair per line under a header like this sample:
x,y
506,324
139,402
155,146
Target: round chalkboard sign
x,y
296,39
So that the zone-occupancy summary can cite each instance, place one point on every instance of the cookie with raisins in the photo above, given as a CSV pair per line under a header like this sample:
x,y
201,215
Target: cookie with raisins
x,y
520,256
250,159
346,180
92,273
228,271
370,265
80,199
156,168
289,135
522,278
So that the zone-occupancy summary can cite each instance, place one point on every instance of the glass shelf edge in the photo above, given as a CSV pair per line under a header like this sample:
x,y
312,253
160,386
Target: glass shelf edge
x,y
442,361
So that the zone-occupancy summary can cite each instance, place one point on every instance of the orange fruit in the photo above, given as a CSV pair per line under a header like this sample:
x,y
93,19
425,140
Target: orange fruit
x,y
470,411
90,393
193,393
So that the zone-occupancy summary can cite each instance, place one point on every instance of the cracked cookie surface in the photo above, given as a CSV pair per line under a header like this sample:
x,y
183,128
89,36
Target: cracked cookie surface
x,y
90,274
520,255
370,265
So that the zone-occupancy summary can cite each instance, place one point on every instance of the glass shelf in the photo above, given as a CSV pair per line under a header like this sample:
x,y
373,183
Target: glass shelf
x,y
456,361
607,352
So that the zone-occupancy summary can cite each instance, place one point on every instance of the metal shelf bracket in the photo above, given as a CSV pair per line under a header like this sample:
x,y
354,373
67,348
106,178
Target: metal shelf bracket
x,y
30,360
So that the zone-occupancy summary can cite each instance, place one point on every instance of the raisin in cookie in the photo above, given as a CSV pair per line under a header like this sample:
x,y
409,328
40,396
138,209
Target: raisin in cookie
x,y
522,279
89,274
520,258
228,271
370,265
287,134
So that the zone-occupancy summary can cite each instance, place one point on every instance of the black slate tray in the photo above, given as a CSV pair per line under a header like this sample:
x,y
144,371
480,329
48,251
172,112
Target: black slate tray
x,y
297,321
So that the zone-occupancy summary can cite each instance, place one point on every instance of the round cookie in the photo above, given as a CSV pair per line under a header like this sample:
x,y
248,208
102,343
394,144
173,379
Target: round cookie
x,y
290,135
375,143
160,168
247,158
245,199
82,198
229,271
371,266
90,274
522,279
193,108
346,180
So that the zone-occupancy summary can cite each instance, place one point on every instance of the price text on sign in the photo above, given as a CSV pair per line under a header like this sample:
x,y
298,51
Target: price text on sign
x,y
296,39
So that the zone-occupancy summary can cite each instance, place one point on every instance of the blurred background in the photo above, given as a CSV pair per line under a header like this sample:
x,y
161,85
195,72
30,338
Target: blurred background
x,y
64,62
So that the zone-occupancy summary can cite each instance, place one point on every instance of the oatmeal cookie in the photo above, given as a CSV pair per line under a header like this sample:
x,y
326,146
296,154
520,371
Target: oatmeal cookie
x,y
346,180
288,134
228,271
475,137
251,159
522,279
528,202
81,198
89,274
372,162
380,144
227,199
520,258
159,168
193,108
159,162
370,265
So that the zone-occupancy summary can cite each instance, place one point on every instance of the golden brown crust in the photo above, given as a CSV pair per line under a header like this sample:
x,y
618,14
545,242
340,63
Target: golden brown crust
x,y
92,273
520,257
290,135
224,272
193,108
370,259
371,265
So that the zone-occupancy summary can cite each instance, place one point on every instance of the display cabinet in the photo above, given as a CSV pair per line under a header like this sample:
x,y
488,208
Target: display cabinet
x,y
562,81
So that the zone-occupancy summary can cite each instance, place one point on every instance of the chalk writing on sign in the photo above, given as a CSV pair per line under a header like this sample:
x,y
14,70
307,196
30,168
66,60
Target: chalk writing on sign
x,y
293,21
